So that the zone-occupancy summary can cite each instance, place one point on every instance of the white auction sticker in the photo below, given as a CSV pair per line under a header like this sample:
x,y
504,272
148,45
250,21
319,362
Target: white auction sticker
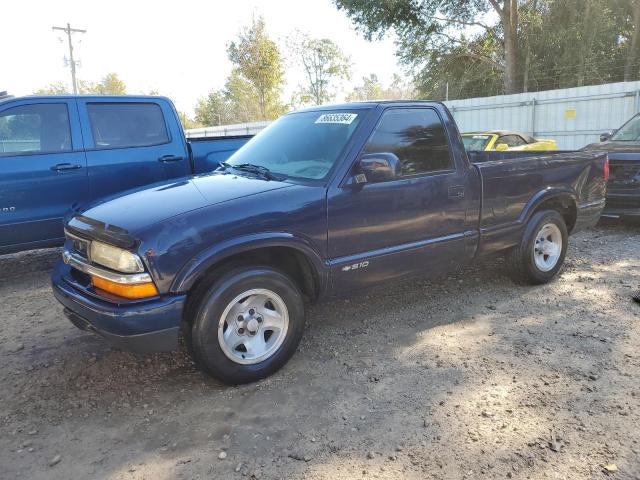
x,y
344,118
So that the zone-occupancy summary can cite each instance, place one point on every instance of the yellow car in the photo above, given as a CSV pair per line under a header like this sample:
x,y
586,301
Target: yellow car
x,y
501,140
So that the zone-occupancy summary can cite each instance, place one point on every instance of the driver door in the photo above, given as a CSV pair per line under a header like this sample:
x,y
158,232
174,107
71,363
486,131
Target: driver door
x,y
411,224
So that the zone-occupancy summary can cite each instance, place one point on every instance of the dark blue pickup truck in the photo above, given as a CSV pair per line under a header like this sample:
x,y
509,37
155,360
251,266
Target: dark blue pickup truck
x,y
60,152
322,202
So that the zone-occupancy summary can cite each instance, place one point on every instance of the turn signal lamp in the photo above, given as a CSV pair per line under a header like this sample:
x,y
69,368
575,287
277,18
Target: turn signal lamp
x,y
132,291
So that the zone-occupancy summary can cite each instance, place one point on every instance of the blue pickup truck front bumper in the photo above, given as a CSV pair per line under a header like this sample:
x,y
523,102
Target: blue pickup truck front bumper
x,y
141,327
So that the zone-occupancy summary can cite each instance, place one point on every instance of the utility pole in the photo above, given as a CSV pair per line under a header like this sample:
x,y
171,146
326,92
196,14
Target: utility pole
x,y
69,31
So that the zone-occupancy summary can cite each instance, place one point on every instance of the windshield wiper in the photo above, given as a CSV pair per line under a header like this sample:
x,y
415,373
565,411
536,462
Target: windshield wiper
x,y
252,168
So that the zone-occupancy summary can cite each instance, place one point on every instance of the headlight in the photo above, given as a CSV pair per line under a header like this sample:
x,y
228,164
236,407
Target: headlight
x,y
115,258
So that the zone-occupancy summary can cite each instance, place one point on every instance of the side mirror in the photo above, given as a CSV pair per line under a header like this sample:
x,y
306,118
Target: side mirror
x,y
501,147
378,167
606,135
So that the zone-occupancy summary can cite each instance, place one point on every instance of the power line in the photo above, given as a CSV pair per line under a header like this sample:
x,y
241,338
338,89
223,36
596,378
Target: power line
x,y
72,63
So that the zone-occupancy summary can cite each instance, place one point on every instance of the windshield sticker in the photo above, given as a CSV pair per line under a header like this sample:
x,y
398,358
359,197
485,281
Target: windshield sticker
x,y
480,137
343,118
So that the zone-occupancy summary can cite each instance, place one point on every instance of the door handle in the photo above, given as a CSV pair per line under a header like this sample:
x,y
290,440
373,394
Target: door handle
x,y
65,167
170,158
456,191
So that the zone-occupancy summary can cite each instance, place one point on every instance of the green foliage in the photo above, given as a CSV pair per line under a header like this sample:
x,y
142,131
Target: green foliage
x,y
58,88
110,84
252,90
187,122
432,34
372,89
258,69
324,64
554,43
573,43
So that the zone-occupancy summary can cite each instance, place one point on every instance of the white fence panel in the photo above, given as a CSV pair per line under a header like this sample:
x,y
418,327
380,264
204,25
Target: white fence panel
x,y
574,117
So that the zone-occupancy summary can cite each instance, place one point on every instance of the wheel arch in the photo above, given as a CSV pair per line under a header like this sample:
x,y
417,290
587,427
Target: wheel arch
x,y
563,200
293,255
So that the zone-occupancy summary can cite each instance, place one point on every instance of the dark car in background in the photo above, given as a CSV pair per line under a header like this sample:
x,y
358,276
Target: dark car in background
x,y
623,188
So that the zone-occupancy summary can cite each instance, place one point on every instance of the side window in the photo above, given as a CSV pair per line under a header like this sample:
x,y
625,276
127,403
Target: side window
x,y
118,125
38,128
511,140
416,136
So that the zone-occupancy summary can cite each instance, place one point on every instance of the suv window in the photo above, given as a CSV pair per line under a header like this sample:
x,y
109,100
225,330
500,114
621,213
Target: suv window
x,y
118,125
416,136
37,128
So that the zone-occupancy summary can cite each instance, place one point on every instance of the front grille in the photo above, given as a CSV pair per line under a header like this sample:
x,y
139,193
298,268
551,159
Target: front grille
x,y
79,246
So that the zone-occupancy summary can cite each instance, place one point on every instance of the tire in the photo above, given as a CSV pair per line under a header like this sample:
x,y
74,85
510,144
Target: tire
x,y
528,262
238,351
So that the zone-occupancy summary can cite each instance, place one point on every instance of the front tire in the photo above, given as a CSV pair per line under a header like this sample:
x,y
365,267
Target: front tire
x,y
247,325
541,252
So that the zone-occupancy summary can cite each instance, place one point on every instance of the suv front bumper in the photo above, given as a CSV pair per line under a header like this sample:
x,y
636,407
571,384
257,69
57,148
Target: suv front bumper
x,y
139,326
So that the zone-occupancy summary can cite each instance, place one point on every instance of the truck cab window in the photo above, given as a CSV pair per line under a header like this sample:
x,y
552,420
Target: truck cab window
x,y
120,125
36,128
416,136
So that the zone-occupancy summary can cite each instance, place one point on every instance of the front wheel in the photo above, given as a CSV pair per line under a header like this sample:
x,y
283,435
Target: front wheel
x,y
541,252
247,325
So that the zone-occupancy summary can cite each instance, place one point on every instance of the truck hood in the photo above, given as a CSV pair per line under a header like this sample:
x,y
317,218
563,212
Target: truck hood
x,y
118,219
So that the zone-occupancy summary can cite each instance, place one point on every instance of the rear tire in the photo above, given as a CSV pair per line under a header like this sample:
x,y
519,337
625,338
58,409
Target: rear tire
x,y
247,325
541,252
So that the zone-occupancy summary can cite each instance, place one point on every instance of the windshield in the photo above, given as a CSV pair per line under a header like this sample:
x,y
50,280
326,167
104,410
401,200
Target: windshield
x,y
302,145
629,132
475,142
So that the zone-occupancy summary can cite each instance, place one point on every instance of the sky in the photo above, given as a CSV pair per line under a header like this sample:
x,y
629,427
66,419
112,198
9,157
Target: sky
x,y
175,47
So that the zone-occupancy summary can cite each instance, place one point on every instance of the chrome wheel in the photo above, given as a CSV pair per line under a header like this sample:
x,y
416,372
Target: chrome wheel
x,y
547,247
253,326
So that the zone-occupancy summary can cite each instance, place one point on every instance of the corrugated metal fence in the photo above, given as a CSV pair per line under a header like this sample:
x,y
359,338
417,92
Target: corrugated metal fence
x,y
574,117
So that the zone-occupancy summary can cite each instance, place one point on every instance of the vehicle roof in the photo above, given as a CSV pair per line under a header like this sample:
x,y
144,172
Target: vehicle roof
x,y
68,97
368,104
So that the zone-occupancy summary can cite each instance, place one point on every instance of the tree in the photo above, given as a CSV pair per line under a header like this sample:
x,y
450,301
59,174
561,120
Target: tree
x,y
571,43
110,84
372,89
432,27
258,64
235,103
323,63
631,68
58,88
187,122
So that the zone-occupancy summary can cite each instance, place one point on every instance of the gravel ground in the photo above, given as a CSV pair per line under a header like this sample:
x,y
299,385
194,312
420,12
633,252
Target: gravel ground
x,y
468,376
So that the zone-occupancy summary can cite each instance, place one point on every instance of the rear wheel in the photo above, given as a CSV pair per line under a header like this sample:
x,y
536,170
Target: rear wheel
x,y
540,255
247,325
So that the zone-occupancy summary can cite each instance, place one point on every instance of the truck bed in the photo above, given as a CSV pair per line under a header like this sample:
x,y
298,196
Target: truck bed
x,y
509,179
208,152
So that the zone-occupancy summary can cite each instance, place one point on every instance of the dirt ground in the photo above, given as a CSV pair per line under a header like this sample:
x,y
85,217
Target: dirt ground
x,y
465,377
